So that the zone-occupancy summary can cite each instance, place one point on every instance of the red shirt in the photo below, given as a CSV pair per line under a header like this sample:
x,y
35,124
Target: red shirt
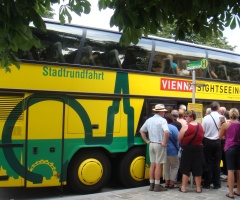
x,y
189,134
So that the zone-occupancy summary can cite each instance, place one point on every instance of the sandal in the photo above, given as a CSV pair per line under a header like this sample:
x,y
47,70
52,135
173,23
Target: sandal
x,y
231,197
180,190
236,194
199,191
167,185
173,186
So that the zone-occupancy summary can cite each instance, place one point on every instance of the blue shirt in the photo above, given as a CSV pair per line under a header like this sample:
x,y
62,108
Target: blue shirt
x,y
174,65
171,149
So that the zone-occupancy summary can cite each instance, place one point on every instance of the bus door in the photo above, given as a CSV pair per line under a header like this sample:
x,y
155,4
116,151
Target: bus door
x,y
169,105
45,125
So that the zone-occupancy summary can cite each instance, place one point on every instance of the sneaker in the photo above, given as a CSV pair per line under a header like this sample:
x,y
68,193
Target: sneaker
x,y
159,188
223,176
217,187
206,186
151,187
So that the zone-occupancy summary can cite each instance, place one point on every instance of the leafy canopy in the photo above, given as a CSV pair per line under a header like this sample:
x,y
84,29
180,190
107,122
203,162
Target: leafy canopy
x,y
134,18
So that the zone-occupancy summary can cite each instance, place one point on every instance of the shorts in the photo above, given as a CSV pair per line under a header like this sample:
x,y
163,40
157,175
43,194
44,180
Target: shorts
x,y
158,153
232,156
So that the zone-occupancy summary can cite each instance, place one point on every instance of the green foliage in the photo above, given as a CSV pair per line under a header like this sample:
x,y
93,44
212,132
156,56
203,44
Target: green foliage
x,y
202,17
15,19
134,18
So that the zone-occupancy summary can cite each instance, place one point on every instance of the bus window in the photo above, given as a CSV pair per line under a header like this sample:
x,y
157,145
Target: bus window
x,y
140,55
108,52
235,76
58,44
105,48
179,53
136,58
225,65
218,71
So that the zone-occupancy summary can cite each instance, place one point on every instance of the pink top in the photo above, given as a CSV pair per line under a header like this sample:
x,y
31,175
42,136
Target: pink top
x,y
182,121
232,136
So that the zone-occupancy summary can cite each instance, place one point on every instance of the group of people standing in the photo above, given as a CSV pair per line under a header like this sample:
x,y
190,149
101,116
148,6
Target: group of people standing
x,y
200,144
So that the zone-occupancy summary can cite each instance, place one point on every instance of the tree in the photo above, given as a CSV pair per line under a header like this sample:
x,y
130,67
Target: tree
x,y
15,19
133,17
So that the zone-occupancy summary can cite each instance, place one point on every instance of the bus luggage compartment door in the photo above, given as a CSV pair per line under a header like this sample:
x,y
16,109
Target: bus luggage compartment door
x,y
45,119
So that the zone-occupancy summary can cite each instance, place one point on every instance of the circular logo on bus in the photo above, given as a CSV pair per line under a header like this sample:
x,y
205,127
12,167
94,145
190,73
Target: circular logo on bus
x,y
204,63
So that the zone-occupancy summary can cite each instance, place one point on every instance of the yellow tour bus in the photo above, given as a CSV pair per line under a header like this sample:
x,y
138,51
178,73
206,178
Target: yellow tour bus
x,y
71,114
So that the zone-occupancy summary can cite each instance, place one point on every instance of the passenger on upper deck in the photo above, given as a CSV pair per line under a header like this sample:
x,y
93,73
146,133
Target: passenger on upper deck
x,y
156,65
174,65
212,72
96,58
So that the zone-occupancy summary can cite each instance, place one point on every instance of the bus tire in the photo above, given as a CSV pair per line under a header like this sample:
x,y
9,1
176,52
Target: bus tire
x,y
89,171
132,168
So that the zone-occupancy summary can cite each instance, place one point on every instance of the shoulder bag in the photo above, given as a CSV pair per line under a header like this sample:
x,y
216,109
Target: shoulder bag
x,y
194,135
214,122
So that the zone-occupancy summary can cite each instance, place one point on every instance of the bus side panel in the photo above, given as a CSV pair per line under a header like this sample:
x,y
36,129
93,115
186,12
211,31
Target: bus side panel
x,y
44,141
105,123
12,141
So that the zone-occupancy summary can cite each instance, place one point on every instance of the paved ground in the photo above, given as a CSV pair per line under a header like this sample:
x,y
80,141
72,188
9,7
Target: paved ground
x,y
142,193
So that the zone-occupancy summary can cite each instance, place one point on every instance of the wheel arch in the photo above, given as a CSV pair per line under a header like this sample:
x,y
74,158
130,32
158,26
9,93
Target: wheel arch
x,y
80,164
129,170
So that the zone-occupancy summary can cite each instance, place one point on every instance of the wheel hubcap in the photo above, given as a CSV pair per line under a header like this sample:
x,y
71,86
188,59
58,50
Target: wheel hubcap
x,y
137,168
90,171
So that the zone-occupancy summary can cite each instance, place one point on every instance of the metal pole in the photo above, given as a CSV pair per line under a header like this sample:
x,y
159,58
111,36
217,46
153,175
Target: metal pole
x,y
193,101
193,85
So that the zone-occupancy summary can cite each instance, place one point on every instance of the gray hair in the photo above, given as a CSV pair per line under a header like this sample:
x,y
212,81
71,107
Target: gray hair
x,y
175,113
208,111
183,107
214,106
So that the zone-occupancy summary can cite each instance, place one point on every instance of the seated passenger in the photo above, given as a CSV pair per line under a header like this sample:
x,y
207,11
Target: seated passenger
x,y
221,72
212,72
141,64
129,60
97,58
54,53
110,59
86,57
113,57
174,65
70,57
156,65
235,74
183,70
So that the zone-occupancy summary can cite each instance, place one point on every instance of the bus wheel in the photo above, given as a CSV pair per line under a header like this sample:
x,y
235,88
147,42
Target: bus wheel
x,y
132,168
89,171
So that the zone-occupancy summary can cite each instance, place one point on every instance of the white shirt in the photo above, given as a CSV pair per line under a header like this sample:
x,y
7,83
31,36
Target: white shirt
x,y
155,126
209,127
